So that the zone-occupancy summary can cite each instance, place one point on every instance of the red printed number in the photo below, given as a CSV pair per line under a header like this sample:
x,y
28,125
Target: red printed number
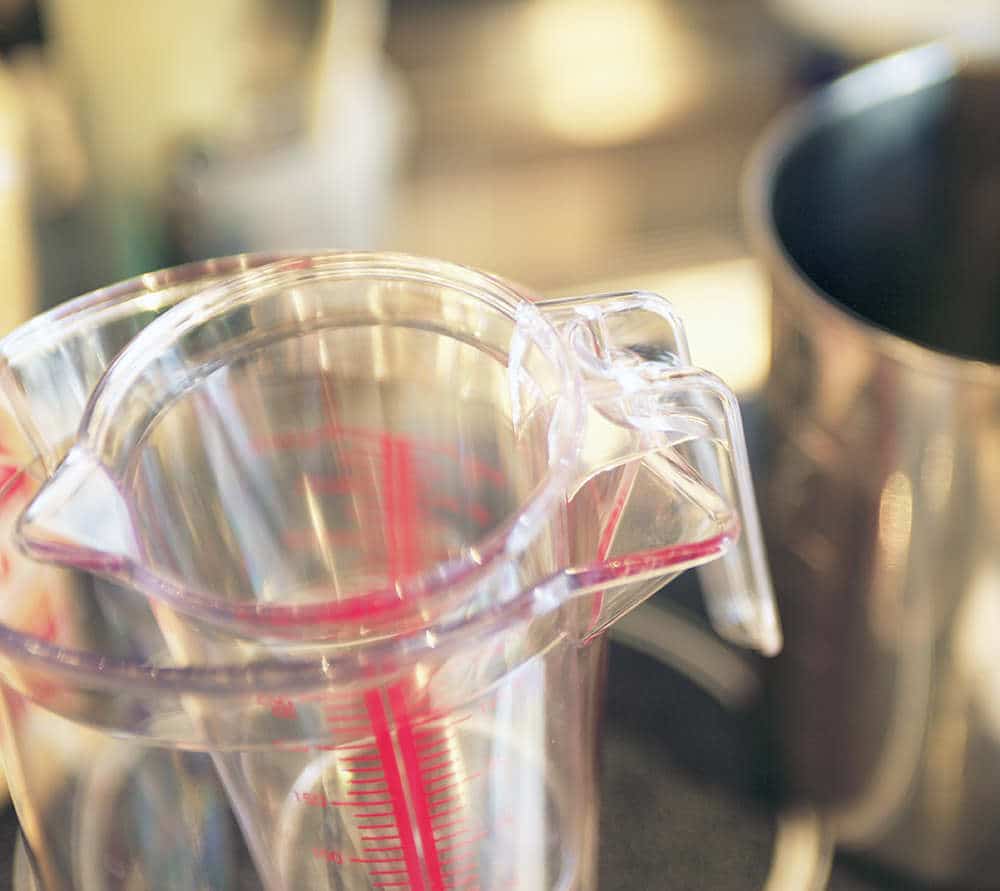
x,y
328,855
282,708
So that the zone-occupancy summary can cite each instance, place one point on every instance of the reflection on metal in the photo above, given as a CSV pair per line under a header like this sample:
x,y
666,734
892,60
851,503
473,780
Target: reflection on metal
x,y
888,580
803,853
977,645
886,694
868,817
608,72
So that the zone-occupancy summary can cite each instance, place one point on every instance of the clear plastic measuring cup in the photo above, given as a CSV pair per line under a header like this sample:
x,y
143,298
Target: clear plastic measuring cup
x,y
349,525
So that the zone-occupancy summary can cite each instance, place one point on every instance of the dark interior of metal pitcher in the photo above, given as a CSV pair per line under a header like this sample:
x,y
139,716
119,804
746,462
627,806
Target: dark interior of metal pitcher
x,y
893,210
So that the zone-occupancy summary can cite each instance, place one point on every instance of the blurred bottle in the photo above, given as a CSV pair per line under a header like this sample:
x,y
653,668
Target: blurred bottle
x,y
315,162
138,75
16,254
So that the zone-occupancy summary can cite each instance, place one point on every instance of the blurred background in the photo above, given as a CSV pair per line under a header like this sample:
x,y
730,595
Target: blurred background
x,y
566,144
571,145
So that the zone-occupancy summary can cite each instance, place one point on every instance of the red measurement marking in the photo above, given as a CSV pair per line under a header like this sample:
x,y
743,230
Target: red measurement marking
x,y
383,740
437,756
442,724
460,782
380,860
362,769
441,826
657,558
400,507
454,834
367,781
463,875
378,826
445,801
385,872
454,846
12,481
369,850
375,816
357,803
440,776
372,757
378,837
427,747
610,530
418,794
404,883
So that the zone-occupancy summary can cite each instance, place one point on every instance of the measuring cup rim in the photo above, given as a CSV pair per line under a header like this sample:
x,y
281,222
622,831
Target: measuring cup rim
x,y
98,423
49,327
328,663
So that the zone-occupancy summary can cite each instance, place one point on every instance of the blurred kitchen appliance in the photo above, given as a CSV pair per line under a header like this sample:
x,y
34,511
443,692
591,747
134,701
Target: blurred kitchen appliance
x,y
875,206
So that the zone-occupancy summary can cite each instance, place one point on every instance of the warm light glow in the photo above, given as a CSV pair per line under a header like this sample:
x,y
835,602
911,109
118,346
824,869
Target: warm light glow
x,y
607,72
724,306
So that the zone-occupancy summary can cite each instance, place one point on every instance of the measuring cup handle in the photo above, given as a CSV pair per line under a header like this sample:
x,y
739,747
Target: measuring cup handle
x,y
652,412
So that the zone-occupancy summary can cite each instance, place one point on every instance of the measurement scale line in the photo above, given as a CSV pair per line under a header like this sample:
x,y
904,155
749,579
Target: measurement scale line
x,y
464,875
429,767
376,825
363,770
454,834
444,801
378,837
443,721
403,884
352,758
380,860
425,748
449,823
457,783
454,846
375,816
383,739
445,813
443,776
357,803
430,733
418,794
369,850
367,781
386,872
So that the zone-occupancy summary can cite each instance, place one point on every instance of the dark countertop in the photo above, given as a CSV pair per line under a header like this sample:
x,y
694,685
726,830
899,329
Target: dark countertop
x,y
685,790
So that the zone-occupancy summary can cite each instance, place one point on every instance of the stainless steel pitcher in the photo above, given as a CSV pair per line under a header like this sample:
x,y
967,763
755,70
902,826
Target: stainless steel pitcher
x,y
875,207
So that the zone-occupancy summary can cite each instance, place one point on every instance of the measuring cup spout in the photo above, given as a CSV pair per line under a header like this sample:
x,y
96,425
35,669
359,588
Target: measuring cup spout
x,y
79,519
